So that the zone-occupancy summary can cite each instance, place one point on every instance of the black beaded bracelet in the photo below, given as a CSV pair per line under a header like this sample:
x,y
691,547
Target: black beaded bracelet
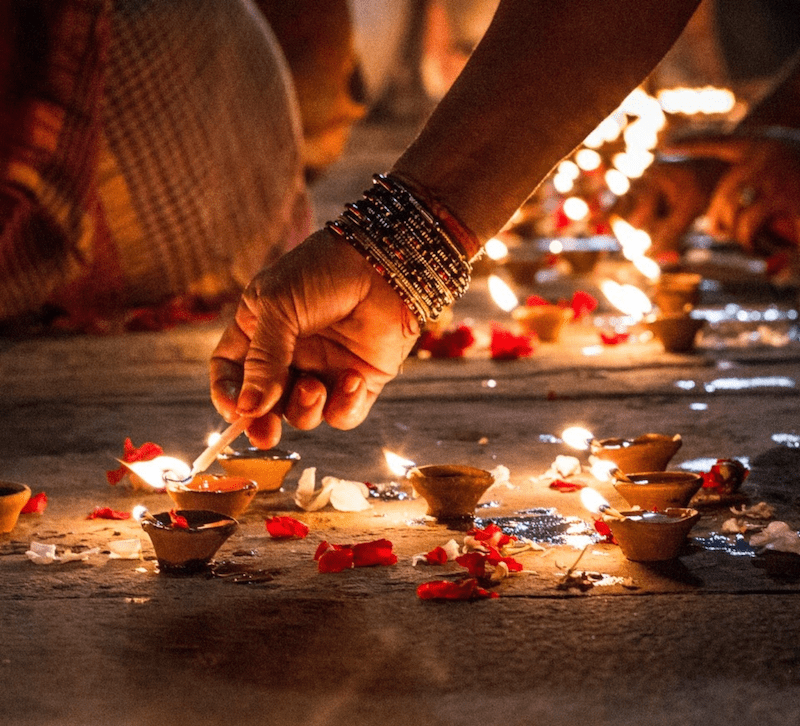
x,y
407,246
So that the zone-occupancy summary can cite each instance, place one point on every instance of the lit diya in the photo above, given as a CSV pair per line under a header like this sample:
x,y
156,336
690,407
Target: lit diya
x,y
229,495
676,331
451,491
545,320
186,540
648,452
677,292
267,468
13,497
659,489
644,536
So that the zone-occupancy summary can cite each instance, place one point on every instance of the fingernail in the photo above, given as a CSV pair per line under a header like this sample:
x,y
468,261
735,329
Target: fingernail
x,y
351,383
307,396
249,400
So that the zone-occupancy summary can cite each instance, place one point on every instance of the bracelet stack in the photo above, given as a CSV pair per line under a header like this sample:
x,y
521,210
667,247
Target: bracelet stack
x,y
407,246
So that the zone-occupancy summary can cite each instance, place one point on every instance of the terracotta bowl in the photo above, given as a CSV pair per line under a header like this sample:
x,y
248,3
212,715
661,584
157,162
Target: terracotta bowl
x,y
188,550
660,489
267,468
677,332
452,492
649,452
677,292
229,495
13,497
545,321
653,536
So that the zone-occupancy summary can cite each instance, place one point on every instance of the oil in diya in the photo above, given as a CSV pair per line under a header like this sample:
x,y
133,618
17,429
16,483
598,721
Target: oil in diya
x,y
267,468
229,495
648,452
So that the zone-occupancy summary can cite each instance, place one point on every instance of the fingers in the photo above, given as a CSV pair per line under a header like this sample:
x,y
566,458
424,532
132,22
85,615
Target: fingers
x,y
226,370
265,432
306,402
349,401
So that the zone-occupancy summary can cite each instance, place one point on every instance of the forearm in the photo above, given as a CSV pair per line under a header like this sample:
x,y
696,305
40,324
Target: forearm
x,y
544,75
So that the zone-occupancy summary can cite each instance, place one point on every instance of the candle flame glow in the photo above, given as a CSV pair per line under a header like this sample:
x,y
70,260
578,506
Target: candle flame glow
x,y
602,469
593,500
213,437
397,464
153,472
577,437
502,294
496,249
628,299
138,512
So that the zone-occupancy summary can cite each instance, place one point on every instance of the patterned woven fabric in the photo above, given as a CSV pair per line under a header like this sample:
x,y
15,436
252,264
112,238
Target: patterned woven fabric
x,y
156,152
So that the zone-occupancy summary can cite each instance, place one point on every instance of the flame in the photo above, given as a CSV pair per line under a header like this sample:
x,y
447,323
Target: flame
x,y
153,472
496,249
577,437
593,500
213,437
635,242
397,464
138,512
629,299
648,267
602,469
502,294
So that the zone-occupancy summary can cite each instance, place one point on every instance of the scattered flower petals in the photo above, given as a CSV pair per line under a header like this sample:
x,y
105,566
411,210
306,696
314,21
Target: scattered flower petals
x,y
726,476
467,589
566,486
449,344
777,536
107,513
336,558
286,527
502,477
582,304
506,345
762,510
343,495
178,521
564,466
491,535
475,562
535,301
437,556
604,531
614,337
145,452
36,504
125,549
45,554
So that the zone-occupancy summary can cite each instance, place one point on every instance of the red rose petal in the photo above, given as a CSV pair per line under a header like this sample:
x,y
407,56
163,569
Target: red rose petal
x,y
36,504
334,560
378,552
505,345
604,531
566,486
613,338
145,452
534,300
582,304
437,556
107,513
467,589
449,344
475,562
177,520
286,527
493,534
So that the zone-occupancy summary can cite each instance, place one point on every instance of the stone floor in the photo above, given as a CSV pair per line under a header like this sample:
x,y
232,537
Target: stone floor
x,y
710,638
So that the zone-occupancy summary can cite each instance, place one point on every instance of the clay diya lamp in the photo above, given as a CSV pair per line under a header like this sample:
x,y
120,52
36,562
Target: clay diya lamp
x,y
677,292
649,452
229,495
676,331
545,321
659,489
13,497
267,468
452,492
652,536
187,549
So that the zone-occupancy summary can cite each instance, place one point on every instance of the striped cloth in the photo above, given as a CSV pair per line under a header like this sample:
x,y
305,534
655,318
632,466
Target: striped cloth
x,y
148,149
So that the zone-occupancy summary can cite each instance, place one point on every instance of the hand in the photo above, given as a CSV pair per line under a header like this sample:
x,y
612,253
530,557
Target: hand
x,y
316,336
667,199
761,189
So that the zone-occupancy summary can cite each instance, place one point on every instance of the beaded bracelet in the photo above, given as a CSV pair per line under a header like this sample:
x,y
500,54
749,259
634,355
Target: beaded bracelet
x,y
405,243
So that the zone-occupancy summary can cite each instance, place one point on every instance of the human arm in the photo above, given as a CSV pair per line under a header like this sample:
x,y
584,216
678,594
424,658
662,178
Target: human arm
x,y
540,80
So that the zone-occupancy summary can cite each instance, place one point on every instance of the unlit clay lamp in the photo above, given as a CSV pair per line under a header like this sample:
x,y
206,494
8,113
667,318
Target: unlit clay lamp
x,y
190,549
677,292
652,536
659,489
452,492
229,495
545,321
13,497
676,331
267,468
649,452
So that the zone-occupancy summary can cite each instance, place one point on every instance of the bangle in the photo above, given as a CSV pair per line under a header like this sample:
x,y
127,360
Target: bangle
x,y
407,245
